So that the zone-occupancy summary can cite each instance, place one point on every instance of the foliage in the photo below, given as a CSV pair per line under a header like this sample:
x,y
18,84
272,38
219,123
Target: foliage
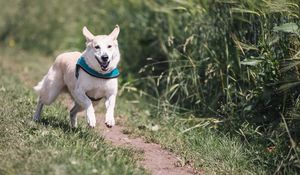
x,y
225,60
236,61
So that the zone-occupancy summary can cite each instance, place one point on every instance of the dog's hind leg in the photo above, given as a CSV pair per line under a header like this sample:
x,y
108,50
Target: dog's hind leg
x,y
73,114
51,85
37,114
48,89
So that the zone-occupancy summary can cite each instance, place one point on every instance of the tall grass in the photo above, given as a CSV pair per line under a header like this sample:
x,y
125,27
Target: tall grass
x,y
236,60
225,60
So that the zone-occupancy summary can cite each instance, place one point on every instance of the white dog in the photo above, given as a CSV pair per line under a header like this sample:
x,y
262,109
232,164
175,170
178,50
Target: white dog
x,y
87,76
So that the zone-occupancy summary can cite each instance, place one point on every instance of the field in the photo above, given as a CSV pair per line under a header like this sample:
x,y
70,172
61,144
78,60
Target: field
x,y
50,147
214,82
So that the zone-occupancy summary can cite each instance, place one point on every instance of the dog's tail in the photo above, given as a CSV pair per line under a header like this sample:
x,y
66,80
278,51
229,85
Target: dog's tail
x,y
39,86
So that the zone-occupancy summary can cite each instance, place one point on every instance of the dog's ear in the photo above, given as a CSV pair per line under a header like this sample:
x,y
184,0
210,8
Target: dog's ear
x,y
114,34
88,35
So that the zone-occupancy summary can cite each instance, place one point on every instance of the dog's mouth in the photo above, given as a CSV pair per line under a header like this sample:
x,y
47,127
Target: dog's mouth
x,y
103,65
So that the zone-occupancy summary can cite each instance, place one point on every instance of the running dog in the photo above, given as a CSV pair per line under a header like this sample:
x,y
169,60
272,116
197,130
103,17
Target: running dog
x,y
88,77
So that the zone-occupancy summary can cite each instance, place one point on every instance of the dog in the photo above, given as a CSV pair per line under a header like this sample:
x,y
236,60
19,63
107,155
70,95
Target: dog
x,y
87,77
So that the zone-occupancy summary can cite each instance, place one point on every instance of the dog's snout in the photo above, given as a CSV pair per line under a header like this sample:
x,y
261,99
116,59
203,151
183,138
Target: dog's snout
x,y
104,57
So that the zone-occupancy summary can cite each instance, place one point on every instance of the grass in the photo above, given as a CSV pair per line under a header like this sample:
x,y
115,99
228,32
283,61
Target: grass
x,y
196,141
235,61
202,147
49,147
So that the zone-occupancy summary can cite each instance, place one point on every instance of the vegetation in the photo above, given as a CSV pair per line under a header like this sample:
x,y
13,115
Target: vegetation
x,y
51,147
214,69
205,148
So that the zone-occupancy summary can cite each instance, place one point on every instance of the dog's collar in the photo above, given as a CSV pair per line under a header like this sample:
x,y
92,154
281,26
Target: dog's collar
x,y
82,64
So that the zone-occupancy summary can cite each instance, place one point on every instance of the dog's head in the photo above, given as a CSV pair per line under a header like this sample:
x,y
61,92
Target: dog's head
x,y
102,52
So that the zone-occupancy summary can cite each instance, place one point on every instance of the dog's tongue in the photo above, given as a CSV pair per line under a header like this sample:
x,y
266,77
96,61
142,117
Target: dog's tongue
x,y
104,65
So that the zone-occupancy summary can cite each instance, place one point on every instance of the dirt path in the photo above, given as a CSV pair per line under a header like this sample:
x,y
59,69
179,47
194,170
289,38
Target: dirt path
x,y
156,160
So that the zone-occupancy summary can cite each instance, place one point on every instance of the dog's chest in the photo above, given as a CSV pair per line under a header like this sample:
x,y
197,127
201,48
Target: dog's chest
x,y
102,88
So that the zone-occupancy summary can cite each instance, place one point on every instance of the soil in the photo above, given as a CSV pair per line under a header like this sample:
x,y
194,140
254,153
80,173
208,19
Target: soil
x,y
156,160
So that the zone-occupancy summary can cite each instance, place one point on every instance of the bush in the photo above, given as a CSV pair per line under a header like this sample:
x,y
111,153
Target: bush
x,y
235,61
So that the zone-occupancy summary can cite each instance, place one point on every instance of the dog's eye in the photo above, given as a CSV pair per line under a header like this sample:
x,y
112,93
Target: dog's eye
x,y
97,47
109,46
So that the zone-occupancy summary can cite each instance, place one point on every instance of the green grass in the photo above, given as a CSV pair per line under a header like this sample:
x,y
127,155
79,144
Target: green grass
x,y
195,141
201,142
202,147
66,149
51,147
235,61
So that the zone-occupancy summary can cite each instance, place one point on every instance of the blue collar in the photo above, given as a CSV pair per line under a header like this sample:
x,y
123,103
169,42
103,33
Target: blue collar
x,y
82,64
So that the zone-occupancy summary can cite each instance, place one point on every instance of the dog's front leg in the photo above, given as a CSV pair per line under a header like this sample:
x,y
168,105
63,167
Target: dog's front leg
x,y
87,104
110,106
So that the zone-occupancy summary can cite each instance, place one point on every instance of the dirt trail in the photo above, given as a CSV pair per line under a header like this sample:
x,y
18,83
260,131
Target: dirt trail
x,y
156,160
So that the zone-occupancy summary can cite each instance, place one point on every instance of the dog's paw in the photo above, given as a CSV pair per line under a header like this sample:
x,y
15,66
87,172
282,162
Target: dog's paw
x,y
91,119
36,118
74,124
91,122
73,121
110,122
92,125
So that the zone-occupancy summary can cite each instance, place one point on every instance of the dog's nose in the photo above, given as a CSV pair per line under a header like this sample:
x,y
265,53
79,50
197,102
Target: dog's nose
x,y
104,58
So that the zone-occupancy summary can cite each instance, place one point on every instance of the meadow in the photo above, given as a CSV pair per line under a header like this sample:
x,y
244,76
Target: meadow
x,y
219,79
50,146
